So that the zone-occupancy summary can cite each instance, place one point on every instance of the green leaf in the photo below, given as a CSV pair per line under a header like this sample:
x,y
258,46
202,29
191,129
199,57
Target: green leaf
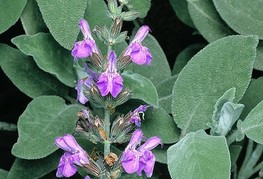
x,y
44,119
248,13
215,69
159,123
31,19
26,76
199,155
159,63
253,124
184,56
48,55
207,20
252,96
96,13
62,19
34,169
234,154
164,90
141,6
3,173
161,154
139,85
10,11
181,10
258,65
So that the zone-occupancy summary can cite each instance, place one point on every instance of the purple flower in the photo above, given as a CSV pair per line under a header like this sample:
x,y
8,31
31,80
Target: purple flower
x,y
140,159
135,116
73,156
82,84
86,47
138,53
110,81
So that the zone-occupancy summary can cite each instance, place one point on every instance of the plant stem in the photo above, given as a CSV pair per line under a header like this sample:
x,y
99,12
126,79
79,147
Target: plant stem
x,y
107,131
232,137
70,99
250,161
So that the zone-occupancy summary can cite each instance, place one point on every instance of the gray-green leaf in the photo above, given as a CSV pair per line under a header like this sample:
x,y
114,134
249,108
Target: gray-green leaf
x,y
141,6
245,17
159,63
252,126
44,119
207,20
10,11
34,169
181,10
215,69
26,76
139,86
32,20
62,19
48,55
3,173
199,155
159,123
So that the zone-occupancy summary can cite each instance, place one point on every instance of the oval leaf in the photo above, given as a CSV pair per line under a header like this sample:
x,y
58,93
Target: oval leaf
x,y
207,76
199,155
62,19
163,125
32,20
44,119
141,6
180,8
139,86
26,76
34,168
159,63
207,20
10,11
253,124
49,56
164,90
248,13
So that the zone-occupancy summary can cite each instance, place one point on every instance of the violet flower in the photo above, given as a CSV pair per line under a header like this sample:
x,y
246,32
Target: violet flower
x,y
110,81
73,156
86,47
140,159
138,53
81,85
135,116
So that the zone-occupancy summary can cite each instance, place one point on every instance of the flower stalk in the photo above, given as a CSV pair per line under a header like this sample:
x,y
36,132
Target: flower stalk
x,y
107,142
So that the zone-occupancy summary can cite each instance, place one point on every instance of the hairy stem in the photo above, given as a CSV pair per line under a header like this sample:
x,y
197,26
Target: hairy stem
x,y
107,131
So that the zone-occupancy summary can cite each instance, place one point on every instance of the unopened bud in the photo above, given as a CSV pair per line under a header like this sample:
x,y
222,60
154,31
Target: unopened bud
x,y
116,27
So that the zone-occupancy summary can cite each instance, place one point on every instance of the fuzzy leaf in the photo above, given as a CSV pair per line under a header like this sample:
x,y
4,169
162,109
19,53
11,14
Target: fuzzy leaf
x,y
26,76
10,11
199,155
163,125
32,20
62,19
139,85
248,13
3,173
48,55
207,20
44,119
201,82
180,8
34,168
164,90
253,124
159,63
141,6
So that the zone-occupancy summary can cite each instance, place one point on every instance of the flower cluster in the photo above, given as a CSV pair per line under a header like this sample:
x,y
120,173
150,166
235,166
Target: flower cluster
x,y
109,81
103,84
141,158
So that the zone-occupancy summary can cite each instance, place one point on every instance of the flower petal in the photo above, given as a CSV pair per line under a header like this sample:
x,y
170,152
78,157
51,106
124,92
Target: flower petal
x,y
136,139
141,34
150,144
130,161
84,27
